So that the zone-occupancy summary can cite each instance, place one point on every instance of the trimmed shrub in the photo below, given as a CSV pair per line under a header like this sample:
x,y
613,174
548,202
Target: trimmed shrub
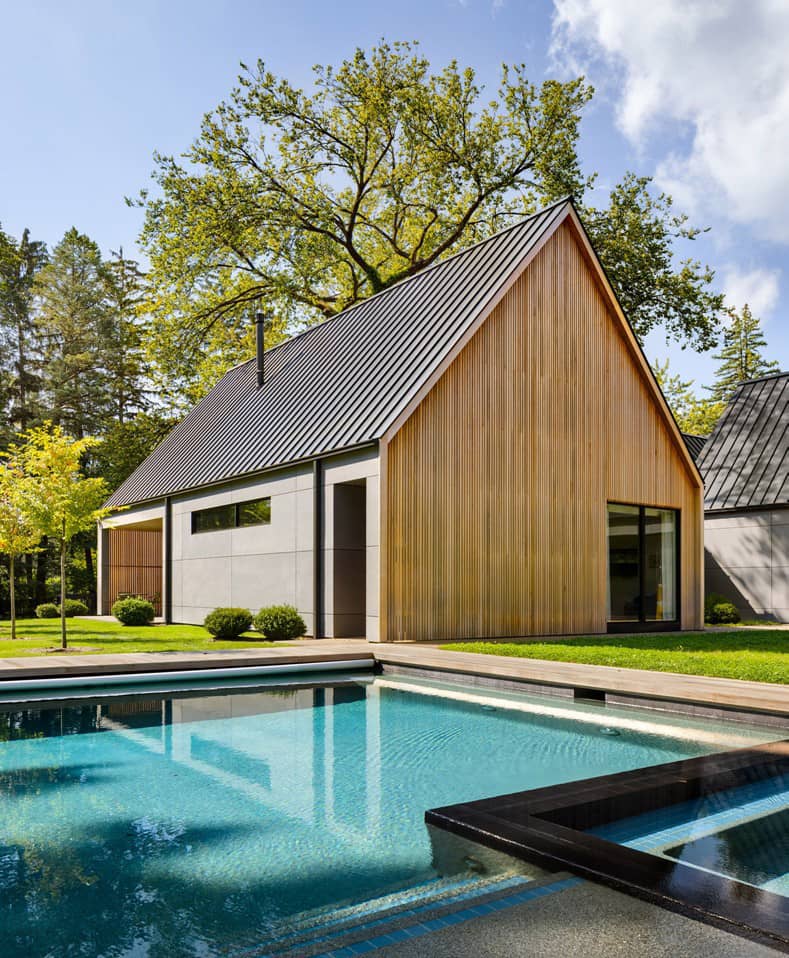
x,y
723,613
47,610
228,623
279,622
133,611
74,607
718,610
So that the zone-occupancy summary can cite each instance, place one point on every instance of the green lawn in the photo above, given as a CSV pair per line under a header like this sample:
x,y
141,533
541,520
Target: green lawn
x,y
758,655
33,635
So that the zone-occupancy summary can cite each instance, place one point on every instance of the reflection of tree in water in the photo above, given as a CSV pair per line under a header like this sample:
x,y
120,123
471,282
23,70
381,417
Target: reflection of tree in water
x,y
93,860
46,722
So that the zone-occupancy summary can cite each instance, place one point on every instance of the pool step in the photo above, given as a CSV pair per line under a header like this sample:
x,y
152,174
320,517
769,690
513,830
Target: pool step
x,y
319,935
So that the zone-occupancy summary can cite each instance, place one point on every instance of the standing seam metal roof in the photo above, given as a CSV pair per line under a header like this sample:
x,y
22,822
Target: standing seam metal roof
x,y
341,383
745,462
695,444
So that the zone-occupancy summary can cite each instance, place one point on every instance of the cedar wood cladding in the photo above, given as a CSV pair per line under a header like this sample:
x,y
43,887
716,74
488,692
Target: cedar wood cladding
x,y
136,564
494,506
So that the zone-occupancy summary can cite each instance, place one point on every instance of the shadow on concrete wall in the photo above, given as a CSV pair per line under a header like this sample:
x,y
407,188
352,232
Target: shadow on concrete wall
x,y
718,580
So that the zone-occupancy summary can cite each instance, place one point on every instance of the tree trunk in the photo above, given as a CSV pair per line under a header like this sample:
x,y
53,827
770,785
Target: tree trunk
x,y
42,561
63,639
12,594
91,577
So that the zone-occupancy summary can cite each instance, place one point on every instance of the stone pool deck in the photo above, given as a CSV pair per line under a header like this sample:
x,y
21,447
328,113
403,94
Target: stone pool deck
x,y
570,678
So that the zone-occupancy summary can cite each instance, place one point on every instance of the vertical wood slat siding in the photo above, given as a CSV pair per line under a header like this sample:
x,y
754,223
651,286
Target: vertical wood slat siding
x,y
135,564
496,486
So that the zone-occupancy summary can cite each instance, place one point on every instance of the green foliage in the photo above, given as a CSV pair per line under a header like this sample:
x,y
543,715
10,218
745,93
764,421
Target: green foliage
x,y
314,200
634,237
742,355
723,613
123,329
72,607
133,611
47,610
718,610
126,444
18,531
72,317
59,501
20,382
695,416
228,623
280,622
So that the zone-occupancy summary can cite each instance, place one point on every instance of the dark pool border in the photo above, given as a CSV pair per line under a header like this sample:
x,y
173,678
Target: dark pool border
x,y
549,826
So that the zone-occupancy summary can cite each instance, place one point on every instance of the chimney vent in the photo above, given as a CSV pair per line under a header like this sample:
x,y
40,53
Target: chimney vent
x,y
260,342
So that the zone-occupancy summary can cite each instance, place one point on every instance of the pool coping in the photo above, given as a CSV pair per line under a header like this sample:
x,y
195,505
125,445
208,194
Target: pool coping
x,y
549,827
706,696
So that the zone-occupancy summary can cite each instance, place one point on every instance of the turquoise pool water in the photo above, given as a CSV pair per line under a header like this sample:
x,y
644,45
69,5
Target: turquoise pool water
x,y
741,833
210,824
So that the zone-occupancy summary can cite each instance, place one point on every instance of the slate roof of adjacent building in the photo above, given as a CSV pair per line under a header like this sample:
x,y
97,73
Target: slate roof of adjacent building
x,y
342,383
745,462
695,444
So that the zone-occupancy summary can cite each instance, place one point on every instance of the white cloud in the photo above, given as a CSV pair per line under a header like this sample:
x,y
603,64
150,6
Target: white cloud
x,y
759,288
713,73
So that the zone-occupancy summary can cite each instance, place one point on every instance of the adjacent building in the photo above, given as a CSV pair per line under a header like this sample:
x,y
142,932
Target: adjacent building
x,y
480,450
745,464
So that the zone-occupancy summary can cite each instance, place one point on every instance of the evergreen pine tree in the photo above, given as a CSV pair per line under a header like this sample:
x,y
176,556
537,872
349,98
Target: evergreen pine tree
x,y
122,338
20,263
742,355
72,318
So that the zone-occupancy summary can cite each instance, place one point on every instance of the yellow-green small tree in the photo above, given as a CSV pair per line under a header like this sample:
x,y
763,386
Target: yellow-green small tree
x,y
59,500
17,533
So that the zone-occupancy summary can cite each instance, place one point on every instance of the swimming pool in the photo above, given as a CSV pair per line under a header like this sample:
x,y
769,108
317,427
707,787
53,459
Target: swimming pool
x,y
740,833
223,822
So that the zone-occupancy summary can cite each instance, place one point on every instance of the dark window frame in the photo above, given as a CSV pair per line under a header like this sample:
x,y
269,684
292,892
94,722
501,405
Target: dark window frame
x,y
643,624
236,514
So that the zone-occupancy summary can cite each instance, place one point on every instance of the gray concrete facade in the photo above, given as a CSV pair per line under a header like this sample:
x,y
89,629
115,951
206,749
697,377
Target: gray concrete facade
x,y
273,563
746,559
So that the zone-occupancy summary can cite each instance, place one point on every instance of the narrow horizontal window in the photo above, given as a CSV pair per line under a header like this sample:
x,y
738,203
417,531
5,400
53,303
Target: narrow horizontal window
x,y
211,520
255,512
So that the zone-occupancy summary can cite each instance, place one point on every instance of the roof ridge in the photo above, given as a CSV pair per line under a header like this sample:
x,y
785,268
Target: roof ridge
x,y
407,279
757,379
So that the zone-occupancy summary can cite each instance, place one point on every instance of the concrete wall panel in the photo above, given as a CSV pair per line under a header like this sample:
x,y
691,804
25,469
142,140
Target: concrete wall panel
x,y
746,559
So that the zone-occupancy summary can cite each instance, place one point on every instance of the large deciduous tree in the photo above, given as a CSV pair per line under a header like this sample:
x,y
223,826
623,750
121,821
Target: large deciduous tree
x,y
314,200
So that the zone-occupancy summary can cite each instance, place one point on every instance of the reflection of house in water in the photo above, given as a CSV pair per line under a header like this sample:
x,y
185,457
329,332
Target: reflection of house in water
x,y
268,765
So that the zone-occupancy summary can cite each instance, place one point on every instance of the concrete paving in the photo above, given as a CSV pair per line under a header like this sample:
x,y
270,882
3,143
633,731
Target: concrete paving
x,y
586,921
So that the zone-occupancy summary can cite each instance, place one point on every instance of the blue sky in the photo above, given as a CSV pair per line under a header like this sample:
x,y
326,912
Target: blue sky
x,y
696,94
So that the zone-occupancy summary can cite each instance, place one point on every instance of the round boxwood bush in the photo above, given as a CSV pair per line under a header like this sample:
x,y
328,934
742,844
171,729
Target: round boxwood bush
x,y
228,623
133,611
74,607
47,610
723,613
279,622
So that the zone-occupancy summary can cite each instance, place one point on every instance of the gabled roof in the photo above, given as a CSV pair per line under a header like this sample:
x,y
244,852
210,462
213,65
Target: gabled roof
x,y
341,383
694,443
351,381
745,462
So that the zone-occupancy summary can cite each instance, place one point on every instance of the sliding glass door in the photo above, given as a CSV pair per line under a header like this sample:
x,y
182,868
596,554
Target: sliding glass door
x,y
643,567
